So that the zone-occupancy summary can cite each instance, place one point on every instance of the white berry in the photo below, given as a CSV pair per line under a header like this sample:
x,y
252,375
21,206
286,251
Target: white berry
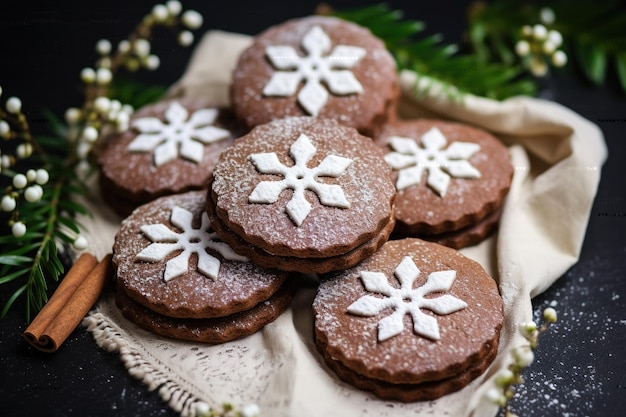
x,y
102,104
20,181
550,315
42,177
142,47
80,243
192,19
72,115
88,75
123,46
174,7
160,12
18,229
14,105
185,38
546,15
559,59
540,32
522,48
152,62
5,129
90,134
555,37
103,76
24,150
33,193
8,203
31,174
103,47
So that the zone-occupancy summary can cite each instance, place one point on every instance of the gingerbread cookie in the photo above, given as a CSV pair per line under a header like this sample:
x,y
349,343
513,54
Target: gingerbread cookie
x,y
415,321
170,147
316,66
173,271
303,194
450,177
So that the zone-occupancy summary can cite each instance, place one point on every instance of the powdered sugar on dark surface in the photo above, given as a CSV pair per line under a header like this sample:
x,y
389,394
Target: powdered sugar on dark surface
x,y
579,364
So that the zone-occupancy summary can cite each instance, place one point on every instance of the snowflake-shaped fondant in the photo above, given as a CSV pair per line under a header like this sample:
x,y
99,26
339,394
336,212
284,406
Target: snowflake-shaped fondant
x,y
412,160
299,178
313,69
407,300
179,133
189,241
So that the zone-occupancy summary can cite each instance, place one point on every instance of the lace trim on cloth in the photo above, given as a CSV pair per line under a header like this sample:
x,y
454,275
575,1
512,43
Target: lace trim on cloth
x,y
141,364
186,374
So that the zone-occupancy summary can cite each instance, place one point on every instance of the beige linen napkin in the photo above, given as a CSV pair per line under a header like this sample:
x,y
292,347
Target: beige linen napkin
x,y
557,157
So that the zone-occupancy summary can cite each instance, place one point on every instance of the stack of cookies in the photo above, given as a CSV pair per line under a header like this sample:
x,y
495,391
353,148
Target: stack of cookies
x,y
303,194
451,179
311,172
176,278
414,322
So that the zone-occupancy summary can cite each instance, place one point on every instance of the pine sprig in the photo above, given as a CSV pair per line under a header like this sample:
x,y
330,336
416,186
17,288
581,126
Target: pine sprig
x,y
34,257
435,62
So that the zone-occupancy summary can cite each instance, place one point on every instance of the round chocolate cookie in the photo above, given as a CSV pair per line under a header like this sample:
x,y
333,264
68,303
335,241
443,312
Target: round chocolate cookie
x,y
449,175
171,147
316,66
169,261
303,188
415,321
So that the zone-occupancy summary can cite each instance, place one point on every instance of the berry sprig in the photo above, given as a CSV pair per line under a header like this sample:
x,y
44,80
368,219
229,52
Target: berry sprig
x,y
43,183
100,114
523,356
24,187
539,46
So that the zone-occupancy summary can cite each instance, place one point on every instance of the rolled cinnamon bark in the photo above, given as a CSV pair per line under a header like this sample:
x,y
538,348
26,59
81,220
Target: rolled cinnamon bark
x,y
76,294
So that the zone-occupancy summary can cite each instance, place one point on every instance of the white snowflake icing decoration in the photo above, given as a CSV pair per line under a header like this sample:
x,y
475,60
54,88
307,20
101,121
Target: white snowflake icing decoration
x,y
407,300
180,133
314,69
299,178
412,160
190,241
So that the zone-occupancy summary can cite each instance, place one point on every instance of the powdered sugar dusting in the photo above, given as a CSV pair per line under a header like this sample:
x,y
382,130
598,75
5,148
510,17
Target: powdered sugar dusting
x,y
299,177
375,71
314,69
575,364
353,338
366,184
241,284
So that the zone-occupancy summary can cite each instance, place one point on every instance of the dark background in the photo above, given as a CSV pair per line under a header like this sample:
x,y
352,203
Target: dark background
x,y
580,364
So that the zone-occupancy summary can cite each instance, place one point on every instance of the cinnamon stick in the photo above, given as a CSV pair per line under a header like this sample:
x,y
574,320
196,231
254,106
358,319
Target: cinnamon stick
x,y
71,301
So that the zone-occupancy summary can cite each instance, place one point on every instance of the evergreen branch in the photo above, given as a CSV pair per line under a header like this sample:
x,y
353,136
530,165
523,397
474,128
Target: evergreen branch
x,y
44,262
436,62
137,94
